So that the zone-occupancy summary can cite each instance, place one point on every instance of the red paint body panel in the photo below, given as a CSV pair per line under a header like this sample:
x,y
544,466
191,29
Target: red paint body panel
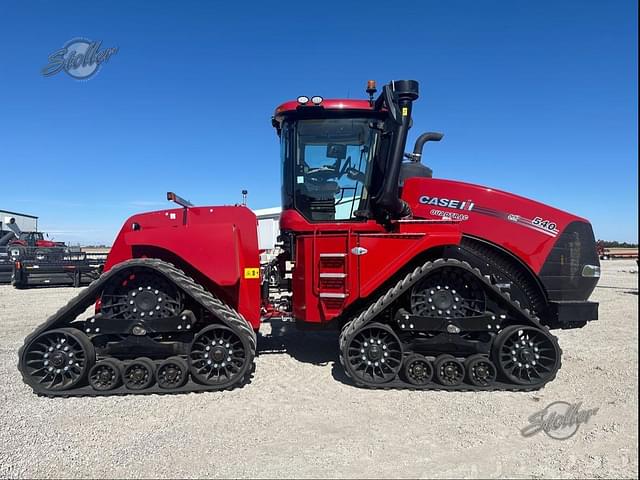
x,y
388,253
499,217
328,104
329,277
218,242
293,221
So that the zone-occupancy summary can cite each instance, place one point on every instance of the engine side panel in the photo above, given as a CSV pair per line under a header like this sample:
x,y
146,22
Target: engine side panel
x,y
220,243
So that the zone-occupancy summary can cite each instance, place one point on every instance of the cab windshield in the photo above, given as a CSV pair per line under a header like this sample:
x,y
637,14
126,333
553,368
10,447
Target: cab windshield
x,y
327,165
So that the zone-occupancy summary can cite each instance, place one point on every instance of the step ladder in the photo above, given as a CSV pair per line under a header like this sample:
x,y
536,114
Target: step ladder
x,y
332,282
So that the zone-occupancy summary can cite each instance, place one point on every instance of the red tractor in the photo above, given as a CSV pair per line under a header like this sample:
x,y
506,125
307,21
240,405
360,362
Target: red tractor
x,y
433,283
20,245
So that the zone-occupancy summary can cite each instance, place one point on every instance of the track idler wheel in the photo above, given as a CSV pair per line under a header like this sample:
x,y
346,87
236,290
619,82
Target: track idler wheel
x,y
374,354
105,375
58,359
449,370
139,374
481,371
218,356
418,370
526,355
172,373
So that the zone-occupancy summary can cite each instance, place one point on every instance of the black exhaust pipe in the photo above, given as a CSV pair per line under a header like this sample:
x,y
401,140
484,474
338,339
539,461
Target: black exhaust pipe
x,y
422,139
402,94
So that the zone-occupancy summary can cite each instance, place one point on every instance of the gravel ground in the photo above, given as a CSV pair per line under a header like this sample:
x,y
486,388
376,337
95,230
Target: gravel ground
x,y
298,418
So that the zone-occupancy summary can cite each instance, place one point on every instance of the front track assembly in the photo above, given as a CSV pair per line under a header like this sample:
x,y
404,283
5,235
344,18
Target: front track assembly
x,y
446,326
157,331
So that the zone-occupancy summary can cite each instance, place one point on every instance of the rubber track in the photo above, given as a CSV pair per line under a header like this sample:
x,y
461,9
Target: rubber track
x,y
224,313
402,287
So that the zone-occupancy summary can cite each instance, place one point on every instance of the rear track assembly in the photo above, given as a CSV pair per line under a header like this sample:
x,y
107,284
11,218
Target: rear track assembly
x,y
207,347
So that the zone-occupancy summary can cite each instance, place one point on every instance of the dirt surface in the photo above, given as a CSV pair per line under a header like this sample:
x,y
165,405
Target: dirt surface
x,y
300,418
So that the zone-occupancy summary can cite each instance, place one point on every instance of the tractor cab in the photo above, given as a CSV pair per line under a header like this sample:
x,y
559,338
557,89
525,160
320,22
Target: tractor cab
x,y
342,159
328,155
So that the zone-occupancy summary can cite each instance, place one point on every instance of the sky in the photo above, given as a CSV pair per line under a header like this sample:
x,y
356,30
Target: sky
x,y
536,98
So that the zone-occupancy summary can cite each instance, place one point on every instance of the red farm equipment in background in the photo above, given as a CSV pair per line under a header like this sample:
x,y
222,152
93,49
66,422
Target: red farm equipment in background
x,y
29,259
432,283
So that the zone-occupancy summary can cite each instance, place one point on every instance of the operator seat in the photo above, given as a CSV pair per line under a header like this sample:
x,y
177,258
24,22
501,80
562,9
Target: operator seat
x,y
318,198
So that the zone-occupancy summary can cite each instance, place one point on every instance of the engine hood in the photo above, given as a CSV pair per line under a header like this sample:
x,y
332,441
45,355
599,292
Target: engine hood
x,y
527,228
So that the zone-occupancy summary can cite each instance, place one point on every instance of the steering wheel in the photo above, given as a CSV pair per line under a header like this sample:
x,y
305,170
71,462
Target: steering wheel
x,y
321,174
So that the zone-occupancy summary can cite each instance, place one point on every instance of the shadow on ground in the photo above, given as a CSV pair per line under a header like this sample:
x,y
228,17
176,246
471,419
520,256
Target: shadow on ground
x,y
317,348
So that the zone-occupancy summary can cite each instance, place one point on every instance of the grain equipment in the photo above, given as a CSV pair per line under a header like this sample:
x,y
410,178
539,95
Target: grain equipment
x,y
28,259
433,283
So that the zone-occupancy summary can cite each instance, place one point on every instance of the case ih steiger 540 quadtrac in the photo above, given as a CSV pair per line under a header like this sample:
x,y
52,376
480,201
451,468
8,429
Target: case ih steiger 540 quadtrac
x,y
433,283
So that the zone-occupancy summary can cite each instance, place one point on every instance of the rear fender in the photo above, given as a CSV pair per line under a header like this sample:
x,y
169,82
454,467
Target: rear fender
x,y
218,246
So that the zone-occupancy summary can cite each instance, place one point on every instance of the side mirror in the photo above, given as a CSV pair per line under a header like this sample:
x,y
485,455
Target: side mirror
x,y
392,104
336,150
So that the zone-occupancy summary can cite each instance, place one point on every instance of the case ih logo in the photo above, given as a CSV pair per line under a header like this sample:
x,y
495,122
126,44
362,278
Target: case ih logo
x,y
79,58
447,203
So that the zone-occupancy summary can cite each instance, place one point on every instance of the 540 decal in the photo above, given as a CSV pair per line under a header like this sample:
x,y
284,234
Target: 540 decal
x,y
544,224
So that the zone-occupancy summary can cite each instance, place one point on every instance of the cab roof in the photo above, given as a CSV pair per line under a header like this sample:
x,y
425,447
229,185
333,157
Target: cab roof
x,y
337,104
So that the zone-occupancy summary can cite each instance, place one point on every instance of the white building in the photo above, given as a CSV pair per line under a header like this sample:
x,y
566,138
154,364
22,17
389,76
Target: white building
x,y
268,227
26,223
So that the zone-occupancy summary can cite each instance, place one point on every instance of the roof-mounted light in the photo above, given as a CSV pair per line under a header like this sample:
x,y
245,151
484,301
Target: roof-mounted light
x,y
302,100
317,100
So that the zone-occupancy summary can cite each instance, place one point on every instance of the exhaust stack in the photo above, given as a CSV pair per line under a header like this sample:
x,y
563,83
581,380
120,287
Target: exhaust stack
x,y
398,98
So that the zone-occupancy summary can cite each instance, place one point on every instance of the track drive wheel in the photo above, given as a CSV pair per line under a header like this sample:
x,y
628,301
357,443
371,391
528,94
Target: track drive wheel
x,y
218,356
373,354
172,373
105,375
141,293
417,369
139,374
57,359
449,370
526,355
481,371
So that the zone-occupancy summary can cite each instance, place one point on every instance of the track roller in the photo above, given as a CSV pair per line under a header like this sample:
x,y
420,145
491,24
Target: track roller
x,y
172,373
526,355
218,356
58,359
374,354
105,375
139,374
449,370
417,369
481,371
